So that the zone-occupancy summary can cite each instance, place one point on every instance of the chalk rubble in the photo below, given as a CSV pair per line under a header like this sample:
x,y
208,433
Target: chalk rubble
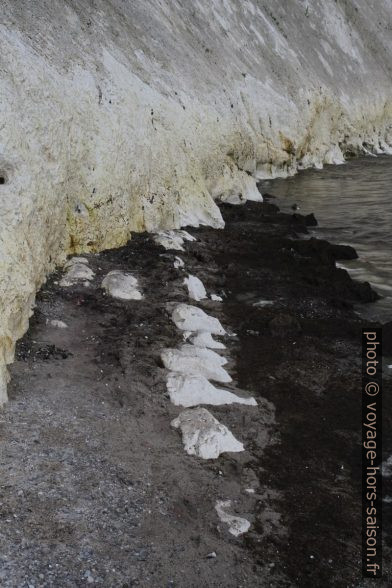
x,y
196,289
237,525
191,318
203,435
196,361
191,391
121,285
57,324
77,270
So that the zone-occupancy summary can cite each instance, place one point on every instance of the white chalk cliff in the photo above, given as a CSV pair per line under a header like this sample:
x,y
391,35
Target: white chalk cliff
x,y
122,116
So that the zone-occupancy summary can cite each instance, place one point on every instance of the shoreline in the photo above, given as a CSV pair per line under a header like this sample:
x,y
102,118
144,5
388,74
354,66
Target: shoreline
x,y
100,483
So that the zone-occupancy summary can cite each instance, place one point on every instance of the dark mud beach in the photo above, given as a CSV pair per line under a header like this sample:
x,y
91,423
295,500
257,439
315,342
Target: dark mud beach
x,y
96,487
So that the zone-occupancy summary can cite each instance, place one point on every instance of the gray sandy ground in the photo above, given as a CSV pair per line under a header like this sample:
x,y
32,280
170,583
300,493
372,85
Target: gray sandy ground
x,y
96,486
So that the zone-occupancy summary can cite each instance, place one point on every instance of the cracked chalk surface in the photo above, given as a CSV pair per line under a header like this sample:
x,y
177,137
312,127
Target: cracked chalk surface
x,y
203,435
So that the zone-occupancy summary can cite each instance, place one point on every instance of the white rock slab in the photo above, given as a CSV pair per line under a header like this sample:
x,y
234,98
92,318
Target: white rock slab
x,y
237,525
204,339
77,271
191,391
194,363
203,435
173,239
121,285
192,318
196,289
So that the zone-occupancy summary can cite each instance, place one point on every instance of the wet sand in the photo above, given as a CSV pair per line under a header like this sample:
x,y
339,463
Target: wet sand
x,y
96,486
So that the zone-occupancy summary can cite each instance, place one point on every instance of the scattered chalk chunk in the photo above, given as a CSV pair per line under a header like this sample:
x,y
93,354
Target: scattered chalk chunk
x,y
196,289
237,525
173,239
189,391
203,435
121,285
191,318
77,271
216,298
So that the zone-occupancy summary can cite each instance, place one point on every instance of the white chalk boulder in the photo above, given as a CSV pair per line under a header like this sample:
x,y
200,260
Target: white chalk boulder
x,y
203,435
196,289
77,270
191,391
191,318
121,285
196,361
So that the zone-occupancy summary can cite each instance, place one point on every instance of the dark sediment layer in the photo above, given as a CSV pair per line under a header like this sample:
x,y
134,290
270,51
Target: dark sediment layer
x,y
97,487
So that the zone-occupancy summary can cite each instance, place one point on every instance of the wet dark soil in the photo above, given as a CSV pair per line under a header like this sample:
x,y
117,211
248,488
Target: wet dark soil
x,y
96,487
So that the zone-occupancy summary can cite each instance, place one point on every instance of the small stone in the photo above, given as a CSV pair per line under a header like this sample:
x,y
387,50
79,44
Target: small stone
x,y
211,555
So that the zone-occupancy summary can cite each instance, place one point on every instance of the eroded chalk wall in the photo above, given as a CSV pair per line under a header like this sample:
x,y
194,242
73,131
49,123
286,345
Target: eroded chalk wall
x,y
122,116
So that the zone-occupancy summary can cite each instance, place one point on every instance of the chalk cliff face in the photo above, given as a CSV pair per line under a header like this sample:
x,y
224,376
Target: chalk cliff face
x,y
119,116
